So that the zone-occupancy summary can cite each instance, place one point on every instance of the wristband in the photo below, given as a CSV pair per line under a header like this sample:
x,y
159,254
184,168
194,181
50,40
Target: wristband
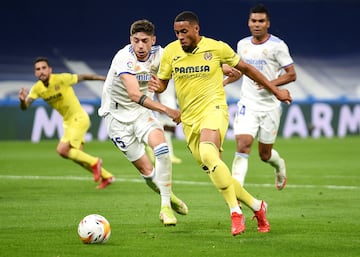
x,y
142,99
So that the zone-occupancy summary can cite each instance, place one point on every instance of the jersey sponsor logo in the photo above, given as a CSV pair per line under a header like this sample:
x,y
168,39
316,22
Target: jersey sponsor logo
x,y
53,98
257,63
143,77
193,69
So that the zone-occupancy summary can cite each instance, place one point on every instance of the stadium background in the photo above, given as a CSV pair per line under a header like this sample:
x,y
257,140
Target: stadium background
x,y
80,36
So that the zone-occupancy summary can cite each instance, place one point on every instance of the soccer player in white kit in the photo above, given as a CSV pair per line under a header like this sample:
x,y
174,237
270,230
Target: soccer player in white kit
x,y
127,108
259,111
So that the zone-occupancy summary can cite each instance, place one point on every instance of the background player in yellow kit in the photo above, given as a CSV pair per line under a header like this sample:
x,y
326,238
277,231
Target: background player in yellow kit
x,y
57,91
195,63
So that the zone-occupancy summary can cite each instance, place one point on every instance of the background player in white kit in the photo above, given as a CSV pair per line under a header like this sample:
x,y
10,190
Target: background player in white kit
x,y
129,118
259,111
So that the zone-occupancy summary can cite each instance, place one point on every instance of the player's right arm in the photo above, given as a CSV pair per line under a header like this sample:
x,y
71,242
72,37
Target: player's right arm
x,y
25,101
247,69
135,95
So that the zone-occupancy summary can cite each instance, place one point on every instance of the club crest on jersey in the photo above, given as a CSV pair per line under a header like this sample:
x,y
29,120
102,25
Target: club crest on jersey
x,y
57,87
153,69
208,56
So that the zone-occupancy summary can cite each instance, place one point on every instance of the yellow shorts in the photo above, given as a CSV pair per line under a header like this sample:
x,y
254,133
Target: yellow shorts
x,y
216,119
75,129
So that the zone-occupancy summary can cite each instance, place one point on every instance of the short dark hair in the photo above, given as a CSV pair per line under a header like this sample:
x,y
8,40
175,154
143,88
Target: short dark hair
x,y
260,8
142,26
42,59
189,16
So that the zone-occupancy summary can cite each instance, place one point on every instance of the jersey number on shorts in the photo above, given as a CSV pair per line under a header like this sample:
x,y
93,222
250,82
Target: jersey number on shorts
x,y
118,142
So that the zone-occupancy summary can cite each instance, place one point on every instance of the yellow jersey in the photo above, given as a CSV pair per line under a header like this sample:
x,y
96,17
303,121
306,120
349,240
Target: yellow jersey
x,y
59,94
198,76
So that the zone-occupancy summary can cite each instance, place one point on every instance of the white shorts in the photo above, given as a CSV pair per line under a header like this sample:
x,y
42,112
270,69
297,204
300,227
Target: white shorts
x,y
131,137
263,124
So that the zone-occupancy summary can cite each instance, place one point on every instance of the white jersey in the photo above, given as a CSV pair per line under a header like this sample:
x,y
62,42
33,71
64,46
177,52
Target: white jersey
x,y
269,58
115,99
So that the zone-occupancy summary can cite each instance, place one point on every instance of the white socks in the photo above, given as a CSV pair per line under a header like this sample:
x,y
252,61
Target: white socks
x,y
240,164
161,177
240,167
275,159
163,172
168,138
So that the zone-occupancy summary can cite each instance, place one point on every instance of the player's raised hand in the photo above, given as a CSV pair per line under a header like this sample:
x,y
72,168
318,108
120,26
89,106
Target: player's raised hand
x,y
22,94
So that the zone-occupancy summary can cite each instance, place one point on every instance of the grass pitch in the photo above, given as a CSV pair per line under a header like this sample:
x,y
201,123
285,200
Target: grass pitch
x,y
43,198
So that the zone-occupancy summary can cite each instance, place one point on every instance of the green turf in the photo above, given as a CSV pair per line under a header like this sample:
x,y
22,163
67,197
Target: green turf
x,y
43,197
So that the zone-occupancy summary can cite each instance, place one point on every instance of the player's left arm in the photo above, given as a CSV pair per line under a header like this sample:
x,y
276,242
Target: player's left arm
x,y
247,69
288,76
82,77
282,56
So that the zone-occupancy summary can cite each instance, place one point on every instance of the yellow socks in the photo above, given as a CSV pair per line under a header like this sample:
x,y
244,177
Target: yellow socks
x,y
86,161
245,197
218,172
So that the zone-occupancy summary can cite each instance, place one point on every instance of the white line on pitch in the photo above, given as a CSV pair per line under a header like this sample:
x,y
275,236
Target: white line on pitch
x,y
197,183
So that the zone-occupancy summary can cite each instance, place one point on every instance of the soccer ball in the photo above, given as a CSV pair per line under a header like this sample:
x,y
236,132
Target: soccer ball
x,y
94,229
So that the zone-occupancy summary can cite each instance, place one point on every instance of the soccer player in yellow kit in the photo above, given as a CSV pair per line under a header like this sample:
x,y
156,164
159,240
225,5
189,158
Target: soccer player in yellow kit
x,y
57,91
195,63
